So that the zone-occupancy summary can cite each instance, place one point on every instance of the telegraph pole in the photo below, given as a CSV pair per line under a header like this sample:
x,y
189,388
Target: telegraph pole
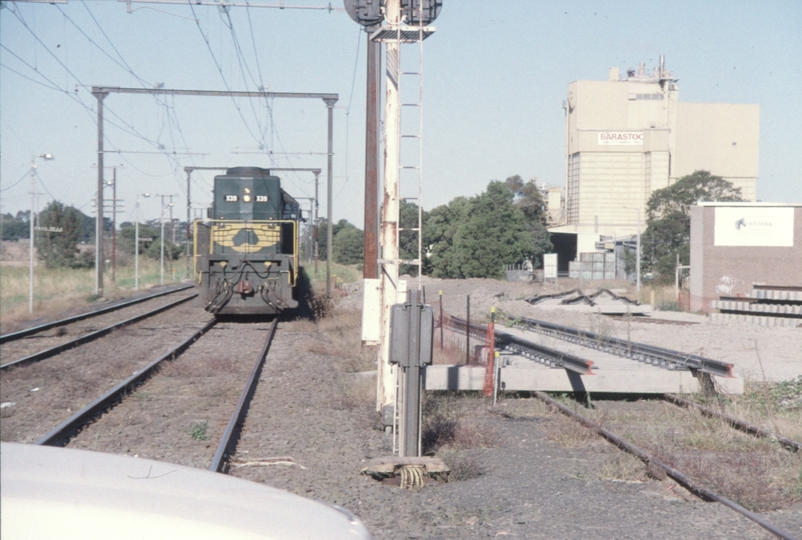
x,y
100,95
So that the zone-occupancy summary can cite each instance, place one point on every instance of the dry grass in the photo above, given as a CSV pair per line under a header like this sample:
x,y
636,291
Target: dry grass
x,y
755,473
447,424
62,289
462,465
356,391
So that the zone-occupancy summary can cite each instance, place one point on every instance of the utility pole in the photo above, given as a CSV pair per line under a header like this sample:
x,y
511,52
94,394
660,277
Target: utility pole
x,y
114,210
33,213
100,95
369,15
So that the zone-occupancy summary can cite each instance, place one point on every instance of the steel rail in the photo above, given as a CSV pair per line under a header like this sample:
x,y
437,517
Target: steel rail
x,y
86,338
231,435
641,352
527,349
544,355
680,478
61,434
788,444
11,336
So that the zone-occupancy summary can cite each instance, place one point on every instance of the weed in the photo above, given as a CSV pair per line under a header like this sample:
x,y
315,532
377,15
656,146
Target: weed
x,y
668,306
198,431
356,391
463,465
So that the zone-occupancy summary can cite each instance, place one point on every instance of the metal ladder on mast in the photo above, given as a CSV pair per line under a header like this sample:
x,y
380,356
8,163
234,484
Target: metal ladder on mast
x,y
417,168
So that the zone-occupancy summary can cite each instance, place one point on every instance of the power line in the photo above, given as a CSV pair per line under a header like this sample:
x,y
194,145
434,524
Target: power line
x,y
220,70
15,183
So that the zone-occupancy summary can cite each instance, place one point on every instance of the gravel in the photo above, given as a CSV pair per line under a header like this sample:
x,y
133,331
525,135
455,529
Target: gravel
x,y
312,410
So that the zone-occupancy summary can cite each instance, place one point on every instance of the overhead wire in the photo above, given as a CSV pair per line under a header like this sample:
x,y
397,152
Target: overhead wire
x,y
241,61
220,71
16,183
348,113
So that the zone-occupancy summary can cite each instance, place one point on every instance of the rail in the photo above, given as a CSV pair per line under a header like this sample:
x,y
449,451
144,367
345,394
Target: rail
x,y
788,444
527,349
86,338
61,434
641,352
231,435
678,476
11,336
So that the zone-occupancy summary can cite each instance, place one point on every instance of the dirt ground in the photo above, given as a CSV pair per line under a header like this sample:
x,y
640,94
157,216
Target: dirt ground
x,y
759,353
524,471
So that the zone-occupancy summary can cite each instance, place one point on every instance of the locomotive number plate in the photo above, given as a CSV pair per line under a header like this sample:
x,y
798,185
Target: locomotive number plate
x,y
231,198
261,198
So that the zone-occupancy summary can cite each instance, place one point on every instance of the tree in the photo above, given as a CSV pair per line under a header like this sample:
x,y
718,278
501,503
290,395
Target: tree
x,y
668,218
14,228
439,230
493,233
148,234
60,249
529,199
348,245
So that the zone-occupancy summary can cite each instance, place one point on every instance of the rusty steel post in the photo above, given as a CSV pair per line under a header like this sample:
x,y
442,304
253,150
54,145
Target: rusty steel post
x,y
372,120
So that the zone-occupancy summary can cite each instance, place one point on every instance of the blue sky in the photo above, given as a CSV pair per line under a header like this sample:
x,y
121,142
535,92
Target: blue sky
x,y
495,75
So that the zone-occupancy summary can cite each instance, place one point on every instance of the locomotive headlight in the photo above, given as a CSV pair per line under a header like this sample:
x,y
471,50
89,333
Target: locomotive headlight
x,y
246,195
246,198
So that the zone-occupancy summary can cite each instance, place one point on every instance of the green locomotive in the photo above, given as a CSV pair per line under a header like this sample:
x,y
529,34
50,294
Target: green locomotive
x,y
246,251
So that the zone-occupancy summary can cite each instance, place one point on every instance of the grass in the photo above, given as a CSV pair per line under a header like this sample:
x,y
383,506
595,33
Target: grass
x,y
754,472
198,431
339,272
61,289
450,433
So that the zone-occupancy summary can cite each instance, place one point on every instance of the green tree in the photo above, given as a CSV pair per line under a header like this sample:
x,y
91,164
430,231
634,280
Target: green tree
x,y
59,249
348,245
439,230
668,218
528,198
148,235
494,232
14,228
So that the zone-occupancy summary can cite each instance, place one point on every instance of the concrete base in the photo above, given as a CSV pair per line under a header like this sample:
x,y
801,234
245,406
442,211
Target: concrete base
x,y
755,319
526,378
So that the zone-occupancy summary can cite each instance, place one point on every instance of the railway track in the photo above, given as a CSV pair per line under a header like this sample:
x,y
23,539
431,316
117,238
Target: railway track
x,y
42,342
640,352
658,466
11,336
164,401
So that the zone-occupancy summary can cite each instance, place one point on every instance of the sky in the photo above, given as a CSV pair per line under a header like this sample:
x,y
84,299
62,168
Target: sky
x,y
495,74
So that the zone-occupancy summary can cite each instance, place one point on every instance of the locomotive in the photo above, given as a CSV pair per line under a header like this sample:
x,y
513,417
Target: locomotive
x,y
246,251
